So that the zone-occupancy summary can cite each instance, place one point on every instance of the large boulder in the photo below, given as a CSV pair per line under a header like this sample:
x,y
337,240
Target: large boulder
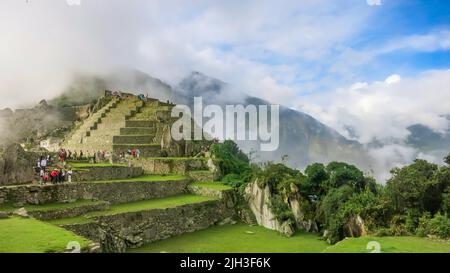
x,y
355,227
16,165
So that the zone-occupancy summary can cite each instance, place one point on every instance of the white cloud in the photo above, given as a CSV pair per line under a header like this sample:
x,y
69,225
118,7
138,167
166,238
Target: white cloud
x,y
374,2
47,41
393,79
383,110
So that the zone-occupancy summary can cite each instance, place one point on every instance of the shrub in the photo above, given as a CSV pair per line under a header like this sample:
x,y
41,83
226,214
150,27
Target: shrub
x,y
280,209
438,226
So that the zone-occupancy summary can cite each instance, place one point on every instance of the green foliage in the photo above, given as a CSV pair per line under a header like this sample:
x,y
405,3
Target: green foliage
x,y
232,161
316,179
328,213
233,180
344,174
446,201
414,187
447,159
438,226
278,177
280,209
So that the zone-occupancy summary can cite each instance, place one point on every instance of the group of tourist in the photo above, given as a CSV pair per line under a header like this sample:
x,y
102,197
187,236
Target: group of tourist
x,y
135,153
48,173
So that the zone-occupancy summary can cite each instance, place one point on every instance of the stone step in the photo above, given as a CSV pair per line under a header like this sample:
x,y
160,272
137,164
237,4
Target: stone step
x,y
137,139
114,191
147,150
164,165
140,123
137,131
202,176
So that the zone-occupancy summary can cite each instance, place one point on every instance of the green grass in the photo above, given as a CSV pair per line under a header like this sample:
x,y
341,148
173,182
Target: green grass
x,y
145,178
201,171
239,238
172,158
71,221
212,185
160,203
53,206
92,165
405,244
25,235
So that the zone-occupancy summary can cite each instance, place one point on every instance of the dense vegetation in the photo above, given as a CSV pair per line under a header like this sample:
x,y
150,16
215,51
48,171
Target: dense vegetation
x,y
414,201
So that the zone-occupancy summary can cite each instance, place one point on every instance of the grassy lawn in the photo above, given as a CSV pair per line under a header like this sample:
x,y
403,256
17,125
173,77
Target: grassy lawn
x,y
240,238
212,185
145,178
24,235
405,244
53,206
160,203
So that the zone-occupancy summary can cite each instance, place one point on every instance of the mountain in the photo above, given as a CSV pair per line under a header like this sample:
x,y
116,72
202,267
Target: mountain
x,y
428,141
302,138
84,89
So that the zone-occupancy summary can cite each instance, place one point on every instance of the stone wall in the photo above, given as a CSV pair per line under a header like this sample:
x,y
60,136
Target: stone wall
x,y
106,173
114,193
69,212
164,166
116,233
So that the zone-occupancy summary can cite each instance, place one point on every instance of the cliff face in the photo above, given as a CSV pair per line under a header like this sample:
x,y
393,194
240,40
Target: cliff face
x,y
16,166
258,200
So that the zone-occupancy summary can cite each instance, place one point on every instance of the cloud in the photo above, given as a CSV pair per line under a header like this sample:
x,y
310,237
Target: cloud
x,y
374,2
261,46
392,79
383,110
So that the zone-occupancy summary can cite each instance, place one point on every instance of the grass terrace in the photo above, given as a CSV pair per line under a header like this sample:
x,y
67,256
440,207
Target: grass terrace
x,y
25,235
92,165
212,185
160,203
145,178
52,206
406,244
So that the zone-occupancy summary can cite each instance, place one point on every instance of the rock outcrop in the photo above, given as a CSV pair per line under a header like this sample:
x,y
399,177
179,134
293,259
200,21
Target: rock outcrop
x,y
16,166
258,200
355,227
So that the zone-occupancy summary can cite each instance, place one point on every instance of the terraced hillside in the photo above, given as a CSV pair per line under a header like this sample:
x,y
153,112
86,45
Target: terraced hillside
x,y
122,205
118,214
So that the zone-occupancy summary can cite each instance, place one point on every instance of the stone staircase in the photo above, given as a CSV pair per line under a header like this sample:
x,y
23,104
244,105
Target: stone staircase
x,y
96,132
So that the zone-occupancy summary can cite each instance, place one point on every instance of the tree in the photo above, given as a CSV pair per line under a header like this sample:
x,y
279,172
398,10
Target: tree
x,y
341,173
230,158
446,201
316,179
447,159
413,187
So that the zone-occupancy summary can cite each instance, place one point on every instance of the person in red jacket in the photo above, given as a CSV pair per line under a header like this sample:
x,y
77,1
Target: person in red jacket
x,y
54,176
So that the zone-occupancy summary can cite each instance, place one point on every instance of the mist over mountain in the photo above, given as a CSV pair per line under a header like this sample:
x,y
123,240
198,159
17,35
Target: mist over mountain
x,y
302,138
